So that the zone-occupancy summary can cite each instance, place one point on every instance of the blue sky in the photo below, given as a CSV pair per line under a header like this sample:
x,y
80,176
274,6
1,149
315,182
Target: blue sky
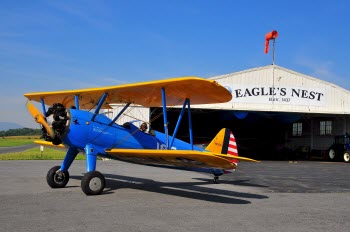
x,y
57,45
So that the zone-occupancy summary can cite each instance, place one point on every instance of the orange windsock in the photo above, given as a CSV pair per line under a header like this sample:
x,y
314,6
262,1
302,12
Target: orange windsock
x,y
271,35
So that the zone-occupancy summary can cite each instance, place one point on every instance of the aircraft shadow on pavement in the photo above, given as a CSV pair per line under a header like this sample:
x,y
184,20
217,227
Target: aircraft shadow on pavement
x,y
192,190
237,183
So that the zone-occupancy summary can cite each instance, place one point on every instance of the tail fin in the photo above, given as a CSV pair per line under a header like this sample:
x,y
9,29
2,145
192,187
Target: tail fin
x,y
224,143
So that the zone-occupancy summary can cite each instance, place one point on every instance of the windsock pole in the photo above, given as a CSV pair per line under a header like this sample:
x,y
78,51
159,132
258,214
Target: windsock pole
x,y
273,51
271,36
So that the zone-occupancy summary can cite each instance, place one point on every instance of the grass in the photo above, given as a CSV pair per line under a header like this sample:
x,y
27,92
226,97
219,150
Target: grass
x,y
13,141
35,154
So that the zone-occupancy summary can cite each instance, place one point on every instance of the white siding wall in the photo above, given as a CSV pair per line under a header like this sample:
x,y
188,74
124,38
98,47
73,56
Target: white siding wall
x,y
133,113
315,96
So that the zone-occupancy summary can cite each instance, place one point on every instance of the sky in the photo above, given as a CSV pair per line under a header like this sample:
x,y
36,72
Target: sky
x,y
61,45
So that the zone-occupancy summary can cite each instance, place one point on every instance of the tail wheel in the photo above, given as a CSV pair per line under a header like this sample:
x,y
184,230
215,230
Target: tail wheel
x,y
93,183
216,179
56,178
331,154
346,157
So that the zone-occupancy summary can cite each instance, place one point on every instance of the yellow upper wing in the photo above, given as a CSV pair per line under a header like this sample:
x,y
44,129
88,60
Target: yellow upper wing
x,y
148,94
187,158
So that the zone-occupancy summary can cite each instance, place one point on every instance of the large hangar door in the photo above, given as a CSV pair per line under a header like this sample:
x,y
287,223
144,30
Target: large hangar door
x,y
205,123
260,135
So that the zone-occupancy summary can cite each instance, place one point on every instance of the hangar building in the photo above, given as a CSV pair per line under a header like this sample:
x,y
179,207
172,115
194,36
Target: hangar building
x,y
274,113
285,110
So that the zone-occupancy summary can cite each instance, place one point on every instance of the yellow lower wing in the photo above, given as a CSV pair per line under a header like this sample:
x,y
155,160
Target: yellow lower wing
x,y
49,144
185,158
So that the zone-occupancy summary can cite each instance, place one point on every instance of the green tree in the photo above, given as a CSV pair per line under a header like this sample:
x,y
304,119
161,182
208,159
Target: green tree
x,y
21,131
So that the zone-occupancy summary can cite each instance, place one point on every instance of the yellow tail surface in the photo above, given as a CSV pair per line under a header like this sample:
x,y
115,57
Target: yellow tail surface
x,y
224,143
217,143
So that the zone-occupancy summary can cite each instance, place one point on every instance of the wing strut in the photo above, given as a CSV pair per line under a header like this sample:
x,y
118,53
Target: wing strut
x,y
186,103
178,122
190,124
76,100
165,118
43,106
100,104
120,113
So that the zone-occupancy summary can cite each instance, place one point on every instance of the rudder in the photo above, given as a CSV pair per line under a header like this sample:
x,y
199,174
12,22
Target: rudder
x,y
224,143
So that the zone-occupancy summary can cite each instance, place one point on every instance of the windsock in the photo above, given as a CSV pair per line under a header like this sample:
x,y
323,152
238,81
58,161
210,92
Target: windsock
x,y
271,35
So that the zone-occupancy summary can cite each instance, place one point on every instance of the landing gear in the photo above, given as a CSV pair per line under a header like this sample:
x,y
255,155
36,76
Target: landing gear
x,y
93,183
56,178
216,179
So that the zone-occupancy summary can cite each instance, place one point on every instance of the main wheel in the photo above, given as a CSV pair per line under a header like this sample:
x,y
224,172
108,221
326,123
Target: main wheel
x,y
346,157
331,154
93,183
56,178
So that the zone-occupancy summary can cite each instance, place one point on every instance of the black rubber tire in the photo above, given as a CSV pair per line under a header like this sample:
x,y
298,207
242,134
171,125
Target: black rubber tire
x,y
346,157
332,155
56,181
93,183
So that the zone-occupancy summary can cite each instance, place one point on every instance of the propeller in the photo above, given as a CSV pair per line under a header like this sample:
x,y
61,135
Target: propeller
x,y
39,118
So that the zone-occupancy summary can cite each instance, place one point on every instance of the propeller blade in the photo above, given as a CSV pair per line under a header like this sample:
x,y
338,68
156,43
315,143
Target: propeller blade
x,y
39,118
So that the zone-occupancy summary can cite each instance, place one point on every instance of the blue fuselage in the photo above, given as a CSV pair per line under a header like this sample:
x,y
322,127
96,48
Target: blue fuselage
x,y
82,131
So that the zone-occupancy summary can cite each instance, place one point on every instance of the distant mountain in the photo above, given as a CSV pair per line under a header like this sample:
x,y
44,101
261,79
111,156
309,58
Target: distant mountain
x,y
9,125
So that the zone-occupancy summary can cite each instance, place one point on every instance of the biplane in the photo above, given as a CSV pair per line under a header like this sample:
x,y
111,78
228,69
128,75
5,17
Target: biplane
x,y
79,125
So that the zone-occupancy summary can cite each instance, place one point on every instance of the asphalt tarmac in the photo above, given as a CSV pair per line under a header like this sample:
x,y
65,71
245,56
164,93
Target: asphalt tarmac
x,y
4,150
266,196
